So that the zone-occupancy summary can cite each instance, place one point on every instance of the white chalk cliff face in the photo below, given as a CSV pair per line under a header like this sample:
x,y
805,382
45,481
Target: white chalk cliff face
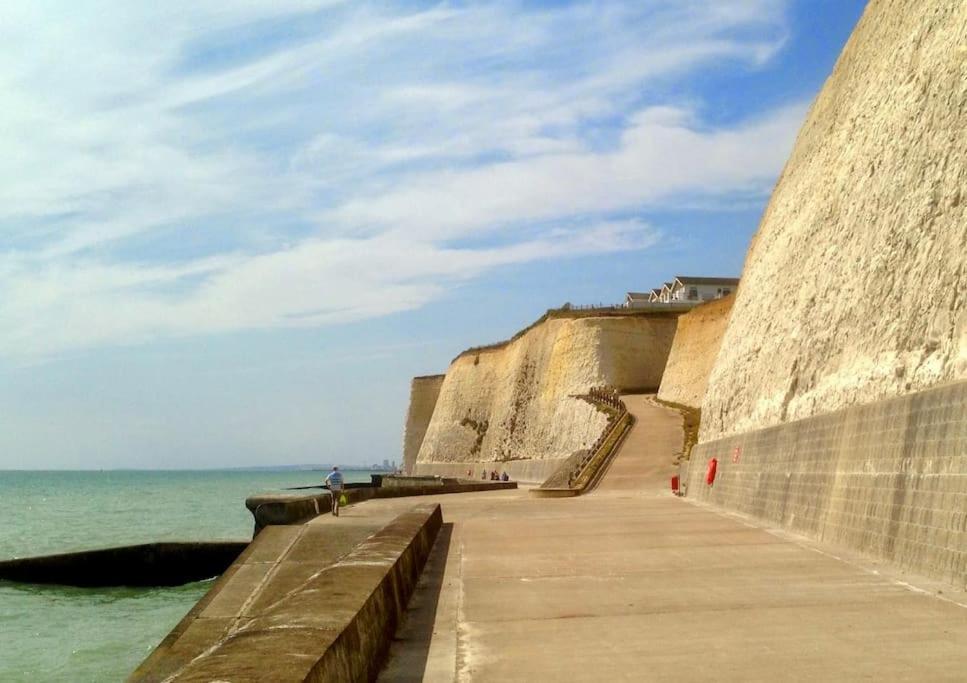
x,y
423,396
854,286
697,341
518,401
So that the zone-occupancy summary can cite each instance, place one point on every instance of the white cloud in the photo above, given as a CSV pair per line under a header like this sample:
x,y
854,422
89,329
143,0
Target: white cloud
x,y
311,162
659,157
59,307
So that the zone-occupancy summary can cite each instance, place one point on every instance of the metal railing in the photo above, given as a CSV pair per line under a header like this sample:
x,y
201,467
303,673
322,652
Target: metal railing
x,y
592,307
585,471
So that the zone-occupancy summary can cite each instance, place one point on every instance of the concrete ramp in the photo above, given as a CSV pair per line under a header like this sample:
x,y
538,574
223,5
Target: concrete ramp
x,y
645,461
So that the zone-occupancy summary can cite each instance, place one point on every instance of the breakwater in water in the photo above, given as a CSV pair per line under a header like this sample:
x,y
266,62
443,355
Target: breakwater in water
x,y
56,633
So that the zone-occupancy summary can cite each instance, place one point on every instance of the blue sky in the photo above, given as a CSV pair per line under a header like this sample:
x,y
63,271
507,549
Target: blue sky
x,y
231,232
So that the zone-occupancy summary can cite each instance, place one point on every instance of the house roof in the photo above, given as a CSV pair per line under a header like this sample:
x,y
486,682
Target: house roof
x,y
638,295
693,280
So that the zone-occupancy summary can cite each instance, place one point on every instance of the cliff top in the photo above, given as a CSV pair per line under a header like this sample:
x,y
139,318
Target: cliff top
x,y
571,314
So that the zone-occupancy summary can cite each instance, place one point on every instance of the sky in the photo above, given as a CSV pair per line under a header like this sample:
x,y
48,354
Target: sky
x,y
231,232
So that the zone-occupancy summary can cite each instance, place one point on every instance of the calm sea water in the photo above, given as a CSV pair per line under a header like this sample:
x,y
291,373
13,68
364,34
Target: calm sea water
x,y
80,634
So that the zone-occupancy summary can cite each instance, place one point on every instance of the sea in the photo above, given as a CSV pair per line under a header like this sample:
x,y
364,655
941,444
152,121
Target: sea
x,y
58,633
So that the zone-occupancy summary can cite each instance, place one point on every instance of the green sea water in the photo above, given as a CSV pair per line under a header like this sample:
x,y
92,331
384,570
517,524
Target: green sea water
x,y
56,633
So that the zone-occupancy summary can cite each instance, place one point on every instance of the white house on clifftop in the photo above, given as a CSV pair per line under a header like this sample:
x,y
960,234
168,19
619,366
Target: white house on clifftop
x,y
684,289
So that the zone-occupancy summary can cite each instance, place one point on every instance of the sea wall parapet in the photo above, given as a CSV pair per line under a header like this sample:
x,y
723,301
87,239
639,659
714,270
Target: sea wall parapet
x,y
280,509
317,601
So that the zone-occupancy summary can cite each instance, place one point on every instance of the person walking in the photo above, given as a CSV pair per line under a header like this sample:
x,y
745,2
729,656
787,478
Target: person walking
x,y
334,482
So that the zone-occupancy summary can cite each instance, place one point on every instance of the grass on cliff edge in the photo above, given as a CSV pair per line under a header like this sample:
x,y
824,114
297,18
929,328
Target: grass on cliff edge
x,y
691,422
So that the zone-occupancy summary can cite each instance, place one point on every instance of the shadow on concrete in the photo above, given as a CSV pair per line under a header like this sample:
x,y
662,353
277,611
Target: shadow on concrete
x,y
410,650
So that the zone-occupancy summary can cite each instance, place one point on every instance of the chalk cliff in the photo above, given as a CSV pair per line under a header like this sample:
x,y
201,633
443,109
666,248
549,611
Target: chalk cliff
x,y
854,286
516,404
423,396
696,346
837,406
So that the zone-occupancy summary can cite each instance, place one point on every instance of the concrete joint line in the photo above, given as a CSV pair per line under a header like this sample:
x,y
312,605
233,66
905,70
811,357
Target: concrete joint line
x,y
463,659
365,563
269,575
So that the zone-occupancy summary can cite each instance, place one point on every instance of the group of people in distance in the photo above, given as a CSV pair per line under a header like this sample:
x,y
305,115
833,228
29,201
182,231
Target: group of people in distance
x,y
503,476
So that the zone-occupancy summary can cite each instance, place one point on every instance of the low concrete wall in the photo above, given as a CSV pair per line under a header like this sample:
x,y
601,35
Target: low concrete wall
x,y
298,607
888,479
524,471
148,564
446,486
390,481
361,647
287,508
278,509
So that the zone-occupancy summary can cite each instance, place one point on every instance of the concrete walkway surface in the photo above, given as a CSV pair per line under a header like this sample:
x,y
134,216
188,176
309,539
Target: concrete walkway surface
x,y
631,583
644,463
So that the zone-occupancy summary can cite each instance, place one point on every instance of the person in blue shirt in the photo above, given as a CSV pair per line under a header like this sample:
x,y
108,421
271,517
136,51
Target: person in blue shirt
x,y
334,482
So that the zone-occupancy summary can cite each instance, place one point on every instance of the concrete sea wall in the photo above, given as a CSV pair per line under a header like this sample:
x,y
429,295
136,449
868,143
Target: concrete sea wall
x,y
696,346
836,403
514,407
281,509
308,602
423,396
888,479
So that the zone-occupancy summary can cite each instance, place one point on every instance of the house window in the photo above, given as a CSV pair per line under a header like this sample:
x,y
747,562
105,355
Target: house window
x,y
692,293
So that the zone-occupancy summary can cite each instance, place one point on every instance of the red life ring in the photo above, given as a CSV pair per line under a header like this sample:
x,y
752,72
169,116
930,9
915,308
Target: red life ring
x,y
713,465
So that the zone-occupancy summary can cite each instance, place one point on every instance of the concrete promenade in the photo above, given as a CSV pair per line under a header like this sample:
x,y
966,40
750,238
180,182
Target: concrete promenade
x,y
631,583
